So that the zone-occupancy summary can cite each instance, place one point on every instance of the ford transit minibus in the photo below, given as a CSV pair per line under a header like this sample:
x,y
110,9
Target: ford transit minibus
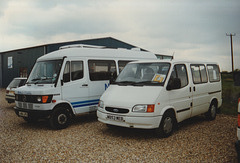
x,y
70,81
159,94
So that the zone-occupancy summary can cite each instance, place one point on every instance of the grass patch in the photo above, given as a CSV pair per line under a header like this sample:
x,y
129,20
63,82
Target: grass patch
x,y
230,95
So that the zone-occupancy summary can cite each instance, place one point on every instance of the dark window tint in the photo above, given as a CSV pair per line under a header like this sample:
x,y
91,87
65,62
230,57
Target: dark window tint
x,y
76,70
122,64
101,69
22,82
179,71
66,73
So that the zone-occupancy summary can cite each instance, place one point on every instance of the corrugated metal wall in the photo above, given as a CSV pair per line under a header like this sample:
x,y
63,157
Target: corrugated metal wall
x,y
24,58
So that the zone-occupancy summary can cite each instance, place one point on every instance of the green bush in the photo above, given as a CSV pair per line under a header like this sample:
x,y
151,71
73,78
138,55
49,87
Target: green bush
x,y
230,94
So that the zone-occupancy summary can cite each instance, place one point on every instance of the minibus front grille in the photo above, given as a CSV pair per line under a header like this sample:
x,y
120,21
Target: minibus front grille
x,y
116,110
31,98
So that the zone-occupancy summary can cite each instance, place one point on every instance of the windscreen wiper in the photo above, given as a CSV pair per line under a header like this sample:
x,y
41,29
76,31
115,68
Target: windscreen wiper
x,y
146,83
124,83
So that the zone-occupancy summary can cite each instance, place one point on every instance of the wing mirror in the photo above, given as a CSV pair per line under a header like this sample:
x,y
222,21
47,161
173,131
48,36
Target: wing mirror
x,y
174,83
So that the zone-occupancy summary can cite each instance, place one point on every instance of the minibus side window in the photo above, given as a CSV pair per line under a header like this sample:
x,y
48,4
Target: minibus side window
x,y
182,75
66,73
203,74
196,74
101,69
76,70
122,64
199,74
213,73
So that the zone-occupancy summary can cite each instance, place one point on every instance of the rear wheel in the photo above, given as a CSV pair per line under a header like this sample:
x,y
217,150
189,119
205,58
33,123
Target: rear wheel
x,y
167,125
60,118
212,112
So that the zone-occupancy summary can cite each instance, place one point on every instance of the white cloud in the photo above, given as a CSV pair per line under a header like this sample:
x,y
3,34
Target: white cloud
x,y
190,28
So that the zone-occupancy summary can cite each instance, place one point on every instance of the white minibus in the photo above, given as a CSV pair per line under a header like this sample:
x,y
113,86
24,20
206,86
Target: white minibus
x,y
159,94
70,81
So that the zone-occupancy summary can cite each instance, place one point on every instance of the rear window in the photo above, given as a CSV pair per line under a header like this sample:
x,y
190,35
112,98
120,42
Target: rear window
x,y
17,83
213,73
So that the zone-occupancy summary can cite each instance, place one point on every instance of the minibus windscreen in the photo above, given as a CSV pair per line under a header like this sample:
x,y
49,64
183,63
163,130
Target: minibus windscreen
x,y
144,74
45,72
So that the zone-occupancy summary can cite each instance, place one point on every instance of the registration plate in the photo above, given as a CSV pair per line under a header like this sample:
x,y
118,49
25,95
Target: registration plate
x,y
115,118
23,114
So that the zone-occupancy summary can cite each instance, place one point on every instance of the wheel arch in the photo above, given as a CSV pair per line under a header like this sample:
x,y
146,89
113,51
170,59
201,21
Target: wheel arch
x,y
65,105
171,110
214,100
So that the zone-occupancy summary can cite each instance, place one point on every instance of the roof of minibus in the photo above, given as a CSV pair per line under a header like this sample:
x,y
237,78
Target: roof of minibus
x,y
97,53
174,61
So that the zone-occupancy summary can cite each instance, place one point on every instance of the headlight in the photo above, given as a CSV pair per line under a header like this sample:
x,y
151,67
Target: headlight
x,y
101,104
143,108
39,99
44,99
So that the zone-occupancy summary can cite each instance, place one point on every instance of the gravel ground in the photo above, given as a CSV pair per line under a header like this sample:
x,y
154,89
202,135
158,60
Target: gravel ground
x,y
87,140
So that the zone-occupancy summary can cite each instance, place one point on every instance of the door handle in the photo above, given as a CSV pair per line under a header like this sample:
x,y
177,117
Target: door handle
x,y
194,89
85,85
190,89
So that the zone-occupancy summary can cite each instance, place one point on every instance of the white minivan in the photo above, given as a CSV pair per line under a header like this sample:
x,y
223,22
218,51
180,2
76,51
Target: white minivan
x,y
159,94
70,81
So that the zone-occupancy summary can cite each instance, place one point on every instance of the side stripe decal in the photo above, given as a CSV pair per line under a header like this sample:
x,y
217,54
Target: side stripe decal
x,y
84,103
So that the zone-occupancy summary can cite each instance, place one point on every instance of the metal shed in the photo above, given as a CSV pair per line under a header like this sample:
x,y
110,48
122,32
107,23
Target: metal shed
x,y
18,63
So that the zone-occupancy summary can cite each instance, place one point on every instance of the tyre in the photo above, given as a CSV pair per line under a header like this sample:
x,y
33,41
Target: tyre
x,y
167,125
60,118
212,112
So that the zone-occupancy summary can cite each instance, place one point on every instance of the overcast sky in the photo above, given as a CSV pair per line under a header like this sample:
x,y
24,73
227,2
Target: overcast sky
x,y
189,29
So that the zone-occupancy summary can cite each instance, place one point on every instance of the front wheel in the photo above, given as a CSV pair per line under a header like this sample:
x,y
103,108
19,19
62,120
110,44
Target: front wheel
x,y
167,125
60,118
212,112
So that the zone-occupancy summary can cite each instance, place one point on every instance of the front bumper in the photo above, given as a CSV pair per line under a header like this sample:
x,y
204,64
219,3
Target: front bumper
x,y
10,98
144,122
32,113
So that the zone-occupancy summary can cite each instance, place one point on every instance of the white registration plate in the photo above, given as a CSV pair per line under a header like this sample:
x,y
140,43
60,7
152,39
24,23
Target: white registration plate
x,y
115,118
23,114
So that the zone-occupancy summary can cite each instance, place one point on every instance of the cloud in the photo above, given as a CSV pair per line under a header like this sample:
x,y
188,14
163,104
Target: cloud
x,y
190,28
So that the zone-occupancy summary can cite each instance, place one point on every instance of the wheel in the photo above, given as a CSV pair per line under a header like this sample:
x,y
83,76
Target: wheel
x,y
212,112
167,125
30,119
60,118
